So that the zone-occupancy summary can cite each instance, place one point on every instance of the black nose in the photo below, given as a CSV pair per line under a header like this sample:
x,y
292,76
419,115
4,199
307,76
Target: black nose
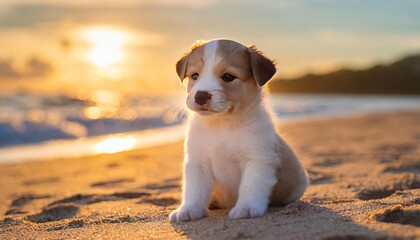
x,y
201,97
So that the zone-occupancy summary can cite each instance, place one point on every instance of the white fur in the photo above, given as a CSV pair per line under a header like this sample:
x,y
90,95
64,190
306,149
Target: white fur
x,y
235,159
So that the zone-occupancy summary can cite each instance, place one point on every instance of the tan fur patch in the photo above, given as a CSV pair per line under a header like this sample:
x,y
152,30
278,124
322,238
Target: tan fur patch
x,y
235,60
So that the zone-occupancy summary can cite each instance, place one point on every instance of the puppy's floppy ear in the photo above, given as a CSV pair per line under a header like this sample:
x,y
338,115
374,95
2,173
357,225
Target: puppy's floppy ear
x,y
262,67
181,66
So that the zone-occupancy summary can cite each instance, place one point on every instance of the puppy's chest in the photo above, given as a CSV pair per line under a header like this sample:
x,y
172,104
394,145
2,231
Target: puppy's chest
x,y
224,147
227,150
227,161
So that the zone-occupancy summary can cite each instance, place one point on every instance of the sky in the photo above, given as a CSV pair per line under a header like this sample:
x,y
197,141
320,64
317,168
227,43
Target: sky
x,y
132,46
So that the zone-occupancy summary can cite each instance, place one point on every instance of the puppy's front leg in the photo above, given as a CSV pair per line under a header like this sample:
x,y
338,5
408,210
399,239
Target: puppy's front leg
x,y
196,193
255,189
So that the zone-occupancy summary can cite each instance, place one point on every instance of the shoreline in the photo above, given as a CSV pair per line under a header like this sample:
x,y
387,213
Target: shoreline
x,y
91,146
364,172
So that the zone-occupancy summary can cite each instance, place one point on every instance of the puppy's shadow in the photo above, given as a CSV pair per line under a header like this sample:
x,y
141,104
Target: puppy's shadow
x,y
298,220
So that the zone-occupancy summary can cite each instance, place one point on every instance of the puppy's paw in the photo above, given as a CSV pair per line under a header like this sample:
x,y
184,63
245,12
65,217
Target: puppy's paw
x,y
247,211
187,213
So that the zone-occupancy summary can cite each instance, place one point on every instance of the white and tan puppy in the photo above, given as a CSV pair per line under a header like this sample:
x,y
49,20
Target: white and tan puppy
x,y
233,154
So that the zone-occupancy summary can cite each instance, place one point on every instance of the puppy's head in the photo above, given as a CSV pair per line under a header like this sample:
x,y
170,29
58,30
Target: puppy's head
x,y
223,76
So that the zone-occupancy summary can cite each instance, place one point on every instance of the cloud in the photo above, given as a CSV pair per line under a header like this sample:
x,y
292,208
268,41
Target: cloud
x,y
7,70
33,68
37,68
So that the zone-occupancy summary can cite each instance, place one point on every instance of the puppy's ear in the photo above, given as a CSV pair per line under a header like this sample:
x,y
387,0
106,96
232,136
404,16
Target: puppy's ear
x,y
262,67
181,66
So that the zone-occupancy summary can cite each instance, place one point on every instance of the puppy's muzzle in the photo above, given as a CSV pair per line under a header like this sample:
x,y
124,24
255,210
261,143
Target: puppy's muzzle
x,y
201,97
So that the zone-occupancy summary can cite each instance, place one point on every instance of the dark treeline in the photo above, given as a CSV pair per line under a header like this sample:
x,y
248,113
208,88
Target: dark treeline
x,y
401,77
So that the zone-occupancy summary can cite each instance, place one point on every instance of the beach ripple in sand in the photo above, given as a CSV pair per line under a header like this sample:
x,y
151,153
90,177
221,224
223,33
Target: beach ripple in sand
x,y
24,199
84,199
164,202
112,183
399,214
409,181
55,213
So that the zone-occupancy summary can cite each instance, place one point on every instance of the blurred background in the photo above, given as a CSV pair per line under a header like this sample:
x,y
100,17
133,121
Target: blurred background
x,y
84,77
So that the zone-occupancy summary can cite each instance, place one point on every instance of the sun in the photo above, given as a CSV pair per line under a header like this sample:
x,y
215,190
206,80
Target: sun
x,y
107,46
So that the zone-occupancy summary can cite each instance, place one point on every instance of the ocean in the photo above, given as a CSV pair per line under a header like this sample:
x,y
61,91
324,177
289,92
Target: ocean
x,y
34,127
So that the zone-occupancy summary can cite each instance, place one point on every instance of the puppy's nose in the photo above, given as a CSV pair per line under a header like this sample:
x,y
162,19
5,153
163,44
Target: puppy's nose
x,y
201,97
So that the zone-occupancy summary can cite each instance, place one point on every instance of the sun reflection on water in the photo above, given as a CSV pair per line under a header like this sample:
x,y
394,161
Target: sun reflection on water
x,y
104,104
108,104
115,144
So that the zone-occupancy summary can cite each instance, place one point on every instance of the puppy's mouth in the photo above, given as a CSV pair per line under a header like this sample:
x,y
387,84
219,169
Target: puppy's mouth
x,y
207,111
204,111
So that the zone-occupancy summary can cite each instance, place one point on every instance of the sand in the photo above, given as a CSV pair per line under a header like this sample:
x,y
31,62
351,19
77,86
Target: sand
x,y
365,185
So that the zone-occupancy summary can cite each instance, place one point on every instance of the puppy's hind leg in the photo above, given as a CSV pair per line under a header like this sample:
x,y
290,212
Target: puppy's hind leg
x,y
292,180
196,193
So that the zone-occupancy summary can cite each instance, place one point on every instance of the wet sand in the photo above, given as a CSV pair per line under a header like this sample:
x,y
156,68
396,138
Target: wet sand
x,y
365,185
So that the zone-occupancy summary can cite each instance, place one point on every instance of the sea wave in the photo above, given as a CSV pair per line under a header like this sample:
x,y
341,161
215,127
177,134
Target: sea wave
x,y
28,119
32,119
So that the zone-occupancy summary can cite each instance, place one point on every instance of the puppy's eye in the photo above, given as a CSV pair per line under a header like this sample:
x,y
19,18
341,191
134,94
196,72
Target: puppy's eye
x,y
195,76
228,77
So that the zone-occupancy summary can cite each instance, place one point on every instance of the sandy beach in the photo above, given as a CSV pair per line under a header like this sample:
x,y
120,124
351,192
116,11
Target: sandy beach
x,y
365,185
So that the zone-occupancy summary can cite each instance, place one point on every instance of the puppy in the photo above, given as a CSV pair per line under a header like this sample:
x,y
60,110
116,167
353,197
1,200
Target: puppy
x,y
233,155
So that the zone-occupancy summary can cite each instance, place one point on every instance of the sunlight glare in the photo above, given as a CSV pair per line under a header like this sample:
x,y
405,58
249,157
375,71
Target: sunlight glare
x,y
104,104
115,144
107,45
